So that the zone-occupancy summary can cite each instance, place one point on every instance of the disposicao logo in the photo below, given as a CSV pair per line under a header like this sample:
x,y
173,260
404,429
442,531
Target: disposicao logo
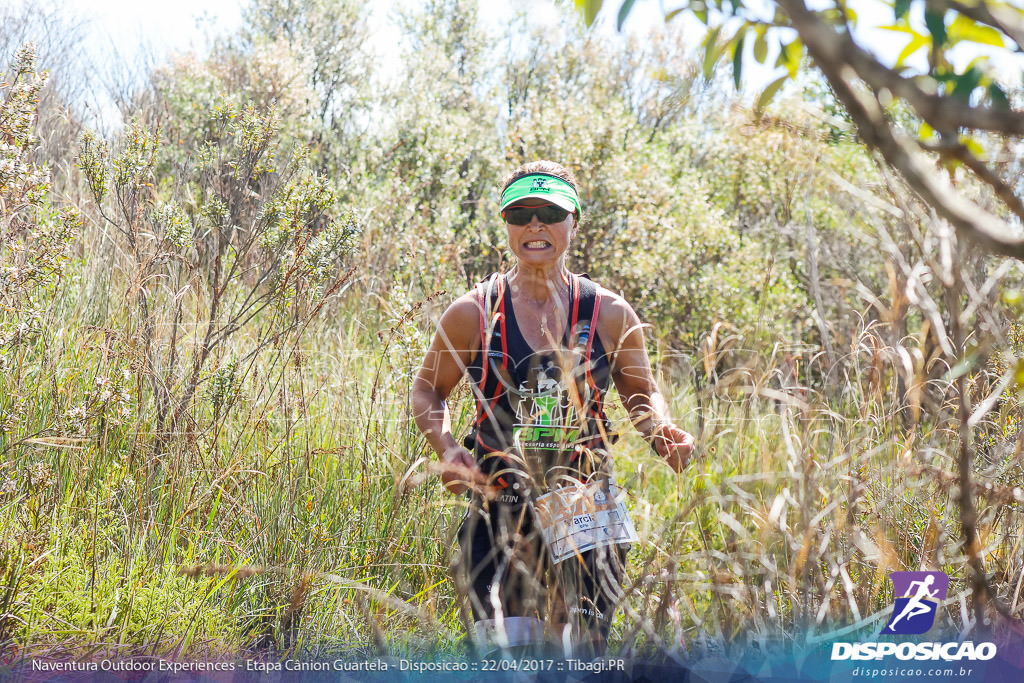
x,y
913,613
917,602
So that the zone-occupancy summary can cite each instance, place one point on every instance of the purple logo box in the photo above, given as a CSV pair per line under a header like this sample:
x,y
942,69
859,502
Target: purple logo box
x,y
916,602
901,582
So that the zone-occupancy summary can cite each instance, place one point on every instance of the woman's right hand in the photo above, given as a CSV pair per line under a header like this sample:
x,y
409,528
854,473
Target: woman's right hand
x,y
673,444
460,471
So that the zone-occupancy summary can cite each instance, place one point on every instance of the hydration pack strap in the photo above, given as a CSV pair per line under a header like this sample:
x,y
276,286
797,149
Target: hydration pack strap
x,y
490,296
586,305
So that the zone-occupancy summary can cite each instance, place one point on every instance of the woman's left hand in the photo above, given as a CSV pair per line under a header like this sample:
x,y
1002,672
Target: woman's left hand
x,y
673,444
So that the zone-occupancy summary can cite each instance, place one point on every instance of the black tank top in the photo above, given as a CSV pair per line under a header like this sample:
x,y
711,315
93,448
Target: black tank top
x,y
541,411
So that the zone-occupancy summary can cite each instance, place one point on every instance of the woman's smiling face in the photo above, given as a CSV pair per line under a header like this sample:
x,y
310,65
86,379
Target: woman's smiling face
x,y
539,243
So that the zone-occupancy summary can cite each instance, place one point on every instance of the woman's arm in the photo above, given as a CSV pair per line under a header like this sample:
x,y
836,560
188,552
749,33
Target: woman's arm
x,y
620,328
443,366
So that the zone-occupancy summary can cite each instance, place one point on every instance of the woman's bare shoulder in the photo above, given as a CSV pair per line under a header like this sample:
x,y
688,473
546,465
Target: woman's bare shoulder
x,y
611,298
460,323
615,306
463,308
616,318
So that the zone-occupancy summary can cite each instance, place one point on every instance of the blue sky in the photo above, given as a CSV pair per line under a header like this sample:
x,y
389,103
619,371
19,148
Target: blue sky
x,y
122,34
166,26
180,25
132,29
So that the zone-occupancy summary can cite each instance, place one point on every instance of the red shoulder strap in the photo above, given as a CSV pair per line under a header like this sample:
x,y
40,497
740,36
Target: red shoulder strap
x,y
503,336
574,319
483,299
488,320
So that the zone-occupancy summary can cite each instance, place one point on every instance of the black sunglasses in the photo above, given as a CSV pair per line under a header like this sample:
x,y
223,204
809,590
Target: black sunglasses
x,y
546,213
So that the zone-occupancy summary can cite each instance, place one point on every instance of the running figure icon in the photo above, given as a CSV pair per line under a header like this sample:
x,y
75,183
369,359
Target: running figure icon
x,y
921,592
914,606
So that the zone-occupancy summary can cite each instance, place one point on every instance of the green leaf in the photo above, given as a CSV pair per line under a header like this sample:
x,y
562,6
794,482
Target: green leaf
x,y
701,14
965,28
698,9
968,363
972,145
790,55
769,93
980,62
1018,373
898,28
998,97
737,59
936,23
915,44
833,15
712,51
761,45
624,10
966,83
590,9
900,8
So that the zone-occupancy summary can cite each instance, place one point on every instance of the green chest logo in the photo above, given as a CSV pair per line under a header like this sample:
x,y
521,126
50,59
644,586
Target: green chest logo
x,y
546,417
545,438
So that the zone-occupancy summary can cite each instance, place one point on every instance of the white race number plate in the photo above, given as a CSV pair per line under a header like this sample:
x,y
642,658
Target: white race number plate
x,y
577,518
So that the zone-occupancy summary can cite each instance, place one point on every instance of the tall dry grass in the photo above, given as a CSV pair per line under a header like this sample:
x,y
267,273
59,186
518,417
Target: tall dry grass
x,y
206,445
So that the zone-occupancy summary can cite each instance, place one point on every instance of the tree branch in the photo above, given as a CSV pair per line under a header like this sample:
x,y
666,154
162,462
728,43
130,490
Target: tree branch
x,y
960,152
832,53
942,113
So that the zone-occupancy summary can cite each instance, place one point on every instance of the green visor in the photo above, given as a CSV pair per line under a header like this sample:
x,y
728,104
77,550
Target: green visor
x,y
542,186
